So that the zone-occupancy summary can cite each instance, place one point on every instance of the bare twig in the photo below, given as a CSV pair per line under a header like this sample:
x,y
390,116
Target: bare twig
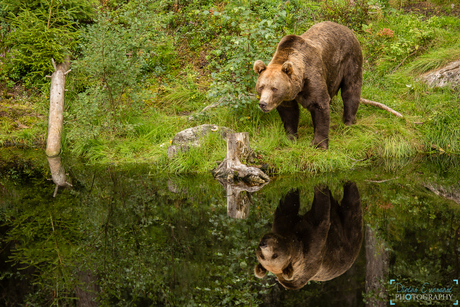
x,y
381,181
54,63
399,65
381,106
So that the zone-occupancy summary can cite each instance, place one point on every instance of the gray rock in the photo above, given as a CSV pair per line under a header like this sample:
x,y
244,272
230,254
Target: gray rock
x,y
447,76
194,137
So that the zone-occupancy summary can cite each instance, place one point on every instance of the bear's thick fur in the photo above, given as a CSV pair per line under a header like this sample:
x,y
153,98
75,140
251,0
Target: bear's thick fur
x,y
320,245
309,70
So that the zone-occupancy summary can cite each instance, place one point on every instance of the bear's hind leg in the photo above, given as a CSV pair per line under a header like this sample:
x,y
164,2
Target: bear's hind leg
x,y
351,91
289,113
350,96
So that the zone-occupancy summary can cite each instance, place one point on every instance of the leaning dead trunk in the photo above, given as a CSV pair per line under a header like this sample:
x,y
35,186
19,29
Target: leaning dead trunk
x,y
232,170
56,112
57,173
55,123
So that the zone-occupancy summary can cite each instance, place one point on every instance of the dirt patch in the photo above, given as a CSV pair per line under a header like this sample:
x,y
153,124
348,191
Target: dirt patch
x,y
429,9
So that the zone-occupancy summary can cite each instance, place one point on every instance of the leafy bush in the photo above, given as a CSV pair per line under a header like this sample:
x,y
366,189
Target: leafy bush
x,y
390,46
117,51
33,32
351,15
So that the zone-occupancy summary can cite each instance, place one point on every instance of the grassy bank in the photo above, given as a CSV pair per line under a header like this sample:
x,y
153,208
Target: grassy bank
x,y
135,84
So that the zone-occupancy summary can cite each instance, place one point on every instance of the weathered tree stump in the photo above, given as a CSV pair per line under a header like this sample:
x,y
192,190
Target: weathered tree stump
x,y
232,169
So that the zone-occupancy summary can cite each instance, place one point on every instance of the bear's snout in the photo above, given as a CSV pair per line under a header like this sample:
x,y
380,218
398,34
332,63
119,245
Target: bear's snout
x,y
263,244
263,106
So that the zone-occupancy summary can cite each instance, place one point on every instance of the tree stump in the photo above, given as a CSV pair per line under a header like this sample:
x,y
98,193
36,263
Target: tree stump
x,y
232,169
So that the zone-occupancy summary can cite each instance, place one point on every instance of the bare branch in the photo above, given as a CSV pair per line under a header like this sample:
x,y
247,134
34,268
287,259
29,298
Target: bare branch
x,y
381,106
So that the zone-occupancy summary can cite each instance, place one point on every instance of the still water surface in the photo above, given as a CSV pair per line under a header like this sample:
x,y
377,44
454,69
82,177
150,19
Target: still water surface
x,y
125,236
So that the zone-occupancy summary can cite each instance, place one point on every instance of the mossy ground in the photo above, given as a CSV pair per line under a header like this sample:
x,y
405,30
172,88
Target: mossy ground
x,y
393,62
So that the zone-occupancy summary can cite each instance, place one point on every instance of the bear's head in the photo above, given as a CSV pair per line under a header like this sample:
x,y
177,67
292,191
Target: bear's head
x,y
278,255
276,83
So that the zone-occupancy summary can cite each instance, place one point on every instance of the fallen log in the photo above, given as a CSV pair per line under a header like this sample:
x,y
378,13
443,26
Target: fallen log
x,y
232,169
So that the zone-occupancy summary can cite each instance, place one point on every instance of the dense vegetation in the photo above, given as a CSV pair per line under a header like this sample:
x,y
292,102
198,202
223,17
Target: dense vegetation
x,y
140,68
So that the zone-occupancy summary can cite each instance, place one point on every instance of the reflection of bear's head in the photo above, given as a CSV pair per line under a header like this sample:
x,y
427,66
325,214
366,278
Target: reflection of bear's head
x,y
320,245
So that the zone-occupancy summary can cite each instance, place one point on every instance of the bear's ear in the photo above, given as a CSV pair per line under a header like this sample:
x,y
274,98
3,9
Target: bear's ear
x,y
288,68
259,66
288,272
260,271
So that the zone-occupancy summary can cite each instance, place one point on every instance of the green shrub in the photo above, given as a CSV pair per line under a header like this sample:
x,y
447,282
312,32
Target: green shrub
x,y
33,32
402,36
115,55
351,15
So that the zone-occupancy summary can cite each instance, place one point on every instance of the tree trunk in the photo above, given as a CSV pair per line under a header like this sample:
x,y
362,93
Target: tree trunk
x,y
232,170
88,290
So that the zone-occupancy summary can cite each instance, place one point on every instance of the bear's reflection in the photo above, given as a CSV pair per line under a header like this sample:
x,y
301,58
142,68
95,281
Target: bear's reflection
x,y
320,245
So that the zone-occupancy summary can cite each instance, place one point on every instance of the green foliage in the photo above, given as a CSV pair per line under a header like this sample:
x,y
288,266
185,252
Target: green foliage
x,y
116,52
33,32
353,15
389,47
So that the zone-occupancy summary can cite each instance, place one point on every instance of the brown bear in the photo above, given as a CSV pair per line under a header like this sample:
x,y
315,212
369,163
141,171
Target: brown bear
x,y
320,245
309,70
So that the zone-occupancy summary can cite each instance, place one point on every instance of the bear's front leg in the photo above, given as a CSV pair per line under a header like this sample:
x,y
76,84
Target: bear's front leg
x,y
289,113
321,120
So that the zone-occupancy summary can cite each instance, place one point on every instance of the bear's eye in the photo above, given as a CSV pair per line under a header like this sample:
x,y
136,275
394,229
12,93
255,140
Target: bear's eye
x,y
274,256
274,89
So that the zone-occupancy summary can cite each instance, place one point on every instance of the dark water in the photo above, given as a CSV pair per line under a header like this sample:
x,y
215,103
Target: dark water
x,y
125,236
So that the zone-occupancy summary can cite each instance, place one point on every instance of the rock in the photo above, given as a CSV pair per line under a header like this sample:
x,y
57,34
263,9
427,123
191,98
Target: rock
x,y
194,137
447,76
